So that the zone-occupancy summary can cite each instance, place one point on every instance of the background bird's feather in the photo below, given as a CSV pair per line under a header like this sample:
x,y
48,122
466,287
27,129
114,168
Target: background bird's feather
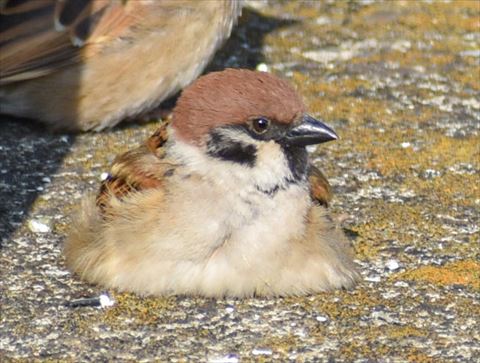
x,y
39,36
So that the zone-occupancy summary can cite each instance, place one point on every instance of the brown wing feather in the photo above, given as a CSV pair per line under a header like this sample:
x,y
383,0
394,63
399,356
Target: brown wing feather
x,y
139,169
39,36
320,190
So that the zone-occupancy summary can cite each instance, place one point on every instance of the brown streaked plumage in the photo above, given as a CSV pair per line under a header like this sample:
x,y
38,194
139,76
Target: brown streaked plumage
x,y
231,208
135,170
83,65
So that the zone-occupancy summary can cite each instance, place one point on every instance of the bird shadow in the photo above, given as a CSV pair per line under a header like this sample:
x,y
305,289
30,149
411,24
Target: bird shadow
x,y
244,48
30,155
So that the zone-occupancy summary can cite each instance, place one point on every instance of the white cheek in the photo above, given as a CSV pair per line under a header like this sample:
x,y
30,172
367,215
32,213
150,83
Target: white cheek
x,y
270,170
271,164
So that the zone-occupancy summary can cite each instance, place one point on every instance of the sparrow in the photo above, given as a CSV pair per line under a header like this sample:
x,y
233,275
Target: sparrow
x,y
222,201
79,65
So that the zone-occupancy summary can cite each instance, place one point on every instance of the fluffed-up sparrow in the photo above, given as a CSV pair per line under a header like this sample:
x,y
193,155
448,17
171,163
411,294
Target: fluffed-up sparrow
x,y
221,202
89,64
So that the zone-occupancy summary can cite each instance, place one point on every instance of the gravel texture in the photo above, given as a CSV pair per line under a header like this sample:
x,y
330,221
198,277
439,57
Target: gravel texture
x,y
400,83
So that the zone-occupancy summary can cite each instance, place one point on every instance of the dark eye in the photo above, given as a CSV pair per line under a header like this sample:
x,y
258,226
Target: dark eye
x,y
260,125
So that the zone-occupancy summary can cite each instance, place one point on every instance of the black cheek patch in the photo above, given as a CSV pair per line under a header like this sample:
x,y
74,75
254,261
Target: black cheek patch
x,y
297,158
222,147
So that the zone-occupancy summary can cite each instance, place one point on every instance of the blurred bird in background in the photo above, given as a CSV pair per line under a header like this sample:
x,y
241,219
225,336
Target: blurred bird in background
x,y
83,65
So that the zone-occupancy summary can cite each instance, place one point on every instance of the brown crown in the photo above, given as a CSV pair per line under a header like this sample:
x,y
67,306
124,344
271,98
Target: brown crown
x,y
231,97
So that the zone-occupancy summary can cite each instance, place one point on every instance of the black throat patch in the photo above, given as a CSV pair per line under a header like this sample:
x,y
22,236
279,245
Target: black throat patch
x,y
223,147
297,158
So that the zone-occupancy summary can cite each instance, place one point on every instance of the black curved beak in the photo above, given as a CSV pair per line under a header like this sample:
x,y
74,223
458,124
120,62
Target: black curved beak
x,y
309,132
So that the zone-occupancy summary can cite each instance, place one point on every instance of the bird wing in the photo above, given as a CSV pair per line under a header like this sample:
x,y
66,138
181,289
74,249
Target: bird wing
x,y
39,36
142,168
320,190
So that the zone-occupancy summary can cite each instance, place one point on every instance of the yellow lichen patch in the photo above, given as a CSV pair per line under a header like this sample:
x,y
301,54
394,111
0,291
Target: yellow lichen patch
x,y
142,310
426,114
366,248
408,225
463,305
417,17
379,351
353,304
373,345
461,273
393,222
469,77
334,100
281,345
414,355
353,109
358,348
450,189
63,228
283,42
412,58
335,88
389,157
405,331
304,10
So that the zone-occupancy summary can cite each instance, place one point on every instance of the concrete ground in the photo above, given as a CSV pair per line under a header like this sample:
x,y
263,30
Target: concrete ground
x,y
400,83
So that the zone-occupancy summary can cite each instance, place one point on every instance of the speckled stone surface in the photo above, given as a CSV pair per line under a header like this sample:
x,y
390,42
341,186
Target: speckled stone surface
x,y
400,83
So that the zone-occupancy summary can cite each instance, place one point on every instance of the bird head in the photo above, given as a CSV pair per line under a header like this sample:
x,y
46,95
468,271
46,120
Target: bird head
x,y
250,119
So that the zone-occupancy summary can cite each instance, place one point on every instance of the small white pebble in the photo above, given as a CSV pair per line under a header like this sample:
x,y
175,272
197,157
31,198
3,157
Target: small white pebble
x,y
52,336
390,295
400,284
321,319
405,144
38,287
323,20
262,67
103,176
229,358
470,53
392,265
229,309
38,227
46,179
261,351
373,278
106,301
